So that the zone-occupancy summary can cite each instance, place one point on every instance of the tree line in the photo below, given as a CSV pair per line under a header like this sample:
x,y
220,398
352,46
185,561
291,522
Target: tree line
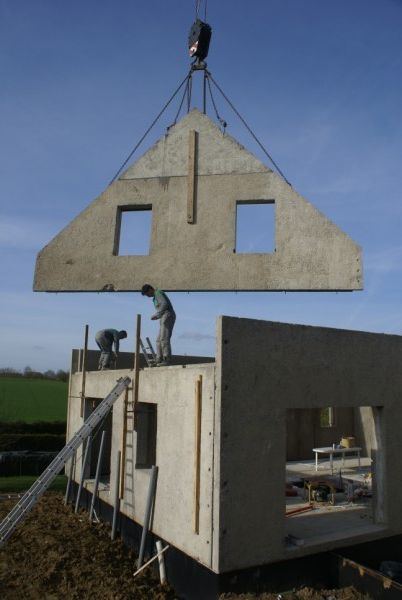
x,y
29,373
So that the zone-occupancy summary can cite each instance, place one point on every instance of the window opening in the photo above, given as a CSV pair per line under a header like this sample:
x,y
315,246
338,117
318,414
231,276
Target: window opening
x,y
146,435
255,226
133,230
331,473
107,424
327,417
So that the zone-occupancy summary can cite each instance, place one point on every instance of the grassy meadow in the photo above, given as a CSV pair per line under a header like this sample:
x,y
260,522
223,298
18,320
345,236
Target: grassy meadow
x,y
30,400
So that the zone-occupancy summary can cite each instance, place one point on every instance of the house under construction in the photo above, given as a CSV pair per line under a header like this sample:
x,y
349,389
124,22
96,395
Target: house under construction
x,y
234,436
230,435
251,471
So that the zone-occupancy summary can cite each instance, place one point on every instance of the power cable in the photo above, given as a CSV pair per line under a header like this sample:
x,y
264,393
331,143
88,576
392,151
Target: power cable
x,y
148,130
248,128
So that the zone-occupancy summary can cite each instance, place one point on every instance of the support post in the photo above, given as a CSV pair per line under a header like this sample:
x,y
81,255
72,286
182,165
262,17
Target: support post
x,y
197,454
136,368
116,506
191,176
148,512
84,366
83,471
97,476
151,560
70,478
161,561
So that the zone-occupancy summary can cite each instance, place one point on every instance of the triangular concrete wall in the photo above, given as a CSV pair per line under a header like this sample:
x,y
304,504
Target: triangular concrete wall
x,y
193,178
218,153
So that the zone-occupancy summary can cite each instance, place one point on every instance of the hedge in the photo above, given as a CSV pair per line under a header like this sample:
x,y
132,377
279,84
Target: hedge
x,y
39,442
53,427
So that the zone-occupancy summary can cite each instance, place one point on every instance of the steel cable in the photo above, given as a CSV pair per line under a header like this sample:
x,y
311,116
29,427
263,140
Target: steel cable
x,y
248,129
148,130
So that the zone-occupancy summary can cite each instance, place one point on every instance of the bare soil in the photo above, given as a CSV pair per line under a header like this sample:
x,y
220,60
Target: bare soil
x,y
348,593
57,555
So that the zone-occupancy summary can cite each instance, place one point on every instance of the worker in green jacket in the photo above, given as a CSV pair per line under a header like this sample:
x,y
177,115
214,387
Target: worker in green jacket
x,y
165,313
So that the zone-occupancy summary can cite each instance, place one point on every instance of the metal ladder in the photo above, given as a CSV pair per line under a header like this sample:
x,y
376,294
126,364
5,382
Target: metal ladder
x,y
151,362
30,498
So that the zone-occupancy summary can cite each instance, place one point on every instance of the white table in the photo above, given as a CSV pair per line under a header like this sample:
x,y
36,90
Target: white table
x,y
331,451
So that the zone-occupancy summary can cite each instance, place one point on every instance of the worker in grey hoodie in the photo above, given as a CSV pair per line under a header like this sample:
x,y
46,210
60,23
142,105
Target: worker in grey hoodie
x,y
106,339
167,317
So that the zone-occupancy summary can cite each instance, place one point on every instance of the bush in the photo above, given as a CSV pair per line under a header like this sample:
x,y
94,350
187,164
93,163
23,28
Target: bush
x,y
34,442
48,427
24,464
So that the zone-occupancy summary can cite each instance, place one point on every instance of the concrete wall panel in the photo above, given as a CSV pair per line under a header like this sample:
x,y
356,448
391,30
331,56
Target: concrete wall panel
x,y
263,371
288,367
218,152
311,253
172,389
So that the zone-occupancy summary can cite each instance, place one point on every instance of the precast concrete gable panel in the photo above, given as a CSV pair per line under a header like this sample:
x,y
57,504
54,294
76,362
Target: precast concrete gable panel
x,y
218,152
192,180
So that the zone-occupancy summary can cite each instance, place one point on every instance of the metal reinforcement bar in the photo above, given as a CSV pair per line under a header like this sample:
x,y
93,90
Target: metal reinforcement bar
x,y
148,513
97,476
29,499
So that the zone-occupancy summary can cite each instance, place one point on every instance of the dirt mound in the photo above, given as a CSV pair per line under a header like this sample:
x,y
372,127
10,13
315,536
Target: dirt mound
x,y
56,554
348,593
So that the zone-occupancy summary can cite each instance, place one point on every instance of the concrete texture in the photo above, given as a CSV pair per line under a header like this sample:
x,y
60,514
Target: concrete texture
x,y
172,390
125,360
297,367
247,398
311,253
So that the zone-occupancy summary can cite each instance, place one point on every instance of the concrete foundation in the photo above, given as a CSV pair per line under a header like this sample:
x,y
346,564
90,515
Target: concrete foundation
x,y
192,181
249,403
355,565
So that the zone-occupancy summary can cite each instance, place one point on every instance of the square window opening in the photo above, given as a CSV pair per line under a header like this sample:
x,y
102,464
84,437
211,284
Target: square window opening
x,y
133,230
255,227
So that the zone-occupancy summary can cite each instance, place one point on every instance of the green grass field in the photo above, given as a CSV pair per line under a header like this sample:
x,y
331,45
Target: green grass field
x,y
20,484
30,400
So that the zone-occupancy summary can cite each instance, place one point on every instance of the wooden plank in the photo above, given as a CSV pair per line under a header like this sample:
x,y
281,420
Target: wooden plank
x,y
84,366
124,446
191,176
136,368
197,454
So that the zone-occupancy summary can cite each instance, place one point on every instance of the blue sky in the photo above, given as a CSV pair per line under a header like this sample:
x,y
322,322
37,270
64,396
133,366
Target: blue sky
x,y
318,81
